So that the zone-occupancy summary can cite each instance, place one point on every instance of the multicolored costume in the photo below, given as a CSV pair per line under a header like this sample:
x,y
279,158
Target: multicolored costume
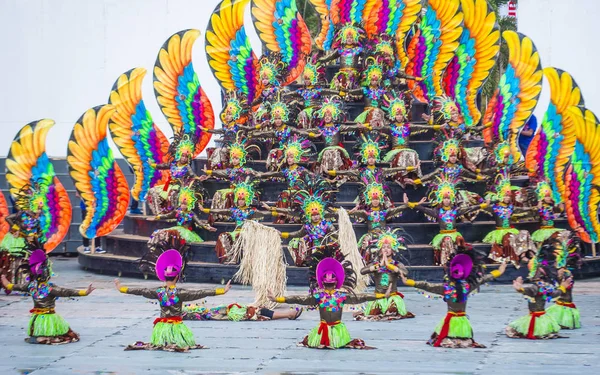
x,y
546,212
169,332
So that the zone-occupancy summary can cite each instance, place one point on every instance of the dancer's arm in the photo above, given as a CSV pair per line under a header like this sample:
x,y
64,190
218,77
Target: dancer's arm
x,y
494,274
295,234
466,210
392,212
429,287
370,268
354,299
215,211
66,292
9,286
203,224
361,214
294,300
167,216
191,295
348,172
144,292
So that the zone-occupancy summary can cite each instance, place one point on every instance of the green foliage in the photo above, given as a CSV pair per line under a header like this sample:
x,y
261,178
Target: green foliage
x,y
310,15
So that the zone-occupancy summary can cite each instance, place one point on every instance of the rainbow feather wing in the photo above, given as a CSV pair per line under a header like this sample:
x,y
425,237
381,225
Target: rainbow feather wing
x,y
549,153
348,11
326,34
441,28
139,140
410,14
95,173
583,174
416,55
27,163
283,31
475,58
178,92
228,49
4,227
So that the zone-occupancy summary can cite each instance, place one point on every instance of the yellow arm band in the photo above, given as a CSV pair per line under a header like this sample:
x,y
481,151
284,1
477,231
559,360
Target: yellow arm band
x,y
379,295
480,177
82,293
10,287
483,206
123,289
257,127
209,172
410,168
418,181
206,210
274,213
496,274
332,173
280,299
342,93
220,291
412,204
311,134
437,127
391,267
562,289
410,282
285,235
478,170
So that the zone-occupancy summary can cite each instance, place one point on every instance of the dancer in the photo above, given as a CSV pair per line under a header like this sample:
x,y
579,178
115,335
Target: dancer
x,y
169,332
546,211
539,289
236,312
335,283
348,47
385,271
464,275
45,326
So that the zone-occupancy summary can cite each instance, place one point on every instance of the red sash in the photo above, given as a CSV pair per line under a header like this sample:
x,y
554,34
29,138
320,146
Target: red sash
x,y
446,327
566,304
171,320
397,294
324,331
534,316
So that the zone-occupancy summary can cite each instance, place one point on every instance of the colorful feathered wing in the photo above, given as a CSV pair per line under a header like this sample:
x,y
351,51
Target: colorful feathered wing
x,y
436,43
475,57
178,92
96,175
410,15
324,38
139,140
4,227
348,11
387,17
28,164
582,177
228,50
517,94
283,31
549,152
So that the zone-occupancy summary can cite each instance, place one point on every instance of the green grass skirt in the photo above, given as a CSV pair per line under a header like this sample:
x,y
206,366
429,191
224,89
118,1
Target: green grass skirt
x,y
47,325
338,336
186,234
496,236
460,327
437,240
165,334
566,317
384,304
544,325
542,235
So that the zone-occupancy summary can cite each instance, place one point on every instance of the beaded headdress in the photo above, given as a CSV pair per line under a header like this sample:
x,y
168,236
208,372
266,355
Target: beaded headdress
x,y
270,70
450,147
280,110
394,107
369,146
444,105
185,145
299,148
543,190
233,107
240,149
443,188
390,237
501,152
373,190
245,191
333,106
373,70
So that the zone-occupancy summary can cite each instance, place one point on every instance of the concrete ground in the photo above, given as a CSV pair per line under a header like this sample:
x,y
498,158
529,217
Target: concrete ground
x,y
108,320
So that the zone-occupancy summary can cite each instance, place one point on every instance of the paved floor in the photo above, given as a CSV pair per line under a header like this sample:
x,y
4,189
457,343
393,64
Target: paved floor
x,y
107,321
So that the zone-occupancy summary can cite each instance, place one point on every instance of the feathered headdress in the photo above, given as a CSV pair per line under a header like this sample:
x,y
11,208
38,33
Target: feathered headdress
x,y
444,105
390,237
543,190
546,259
501,152
443,188
348,34
299,148
270,68
502,187
331,249
279,110
313,72
448,148
384,47
370,145
373,70
245,191
373,190
187,195
183,144
395,106
240,148
314,197
233,107
331,106
161,241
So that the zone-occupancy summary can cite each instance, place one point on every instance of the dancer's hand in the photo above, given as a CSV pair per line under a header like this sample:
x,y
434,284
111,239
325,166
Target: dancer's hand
x,y
405,198
227,286
266,206
518,283
388,292
423,200
502,267
271,296
403,278
118,284
89,290
566,283
210,228
5,281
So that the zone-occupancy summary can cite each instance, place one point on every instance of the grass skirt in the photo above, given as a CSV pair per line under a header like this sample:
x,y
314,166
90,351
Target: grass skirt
x,y
497,235
50,329
338,335
545,327
391,308
437,240
186,234
566,317
460,334
174,337
543,234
